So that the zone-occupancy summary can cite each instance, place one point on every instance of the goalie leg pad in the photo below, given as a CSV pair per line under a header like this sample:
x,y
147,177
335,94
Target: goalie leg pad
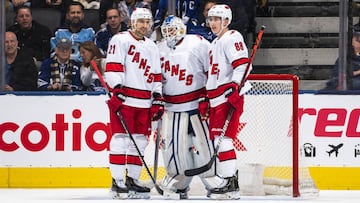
x,y
177,147
202,144
205,149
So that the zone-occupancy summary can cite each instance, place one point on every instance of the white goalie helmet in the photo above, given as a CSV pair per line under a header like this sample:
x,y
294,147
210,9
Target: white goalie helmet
x,y
221,10
173,30
141,13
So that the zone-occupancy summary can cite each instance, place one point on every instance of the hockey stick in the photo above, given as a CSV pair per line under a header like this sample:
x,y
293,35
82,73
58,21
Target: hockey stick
x,y
157,143
103,83
206,167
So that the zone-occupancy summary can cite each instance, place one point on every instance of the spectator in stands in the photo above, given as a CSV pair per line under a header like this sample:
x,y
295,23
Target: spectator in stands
x,y
21,73
113,26
104,6
60,72
125,7
188,12
15,4
354,72
75,30
89,78
31,34
160,13
203,28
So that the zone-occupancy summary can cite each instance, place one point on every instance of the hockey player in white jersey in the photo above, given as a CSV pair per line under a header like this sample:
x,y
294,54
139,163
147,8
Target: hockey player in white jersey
x,y
226,86
186,144
133,72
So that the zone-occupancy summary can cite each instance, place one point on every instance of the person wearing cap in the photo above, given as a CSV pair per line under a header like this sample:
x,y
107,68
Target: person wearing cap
x,y
354,72
60,72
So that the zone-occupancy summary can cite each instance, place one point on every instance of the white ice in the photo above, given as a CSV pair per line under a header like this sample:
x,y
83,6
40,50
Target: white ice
x,y
102,195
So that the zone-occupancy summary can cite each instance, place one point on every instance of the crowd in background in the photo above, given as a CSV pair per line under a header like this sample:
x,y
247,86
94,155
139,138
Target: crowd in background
x,y
59,56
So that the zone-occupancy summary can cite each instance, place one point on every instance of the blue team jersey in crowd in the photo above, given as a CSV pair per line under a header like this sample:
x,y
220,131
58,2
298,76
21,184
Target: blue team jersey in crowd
x,y
85,34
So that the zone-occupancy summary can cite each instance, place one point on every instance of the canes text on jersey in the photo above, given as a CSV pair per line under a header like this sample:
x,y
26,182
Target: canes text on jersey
x,y
214,66
175,71
143,63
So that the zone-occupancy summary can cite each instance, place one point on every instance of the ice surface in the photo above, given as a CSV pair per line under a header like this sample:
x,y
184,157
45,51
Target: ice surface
x,y
102,195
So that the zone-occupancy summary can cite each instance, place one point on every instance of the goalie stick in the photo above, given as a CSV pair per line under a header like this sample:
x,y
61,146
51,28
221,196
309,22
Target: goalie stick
x,y
206,167
103,83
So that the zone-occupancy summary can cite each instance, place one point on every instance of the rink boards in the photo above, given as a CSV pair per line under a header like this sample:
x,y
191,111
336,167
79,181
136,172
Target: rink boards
x,y
60,141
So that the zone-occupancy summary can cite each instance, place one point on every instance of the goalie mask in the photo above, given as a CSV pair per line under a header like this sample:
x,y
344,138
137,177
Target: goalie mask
x,y
173,30
223,11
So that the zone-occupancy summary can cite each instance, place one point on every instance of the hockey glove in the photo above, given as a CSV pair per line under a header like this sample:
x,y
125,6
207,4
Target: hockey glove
x,y
232,94
157,107
116,100
204,107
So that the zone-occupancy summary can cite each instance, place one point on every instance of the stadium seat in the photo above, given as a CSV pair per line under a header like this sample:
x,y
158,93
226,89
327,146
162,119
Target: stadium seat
x,y
48,17
92,18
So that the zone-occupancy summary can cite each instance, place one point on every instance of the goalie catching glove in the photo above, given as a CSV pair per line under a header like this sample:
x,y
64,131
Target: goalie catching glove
x,y
157,107
233,97
116,100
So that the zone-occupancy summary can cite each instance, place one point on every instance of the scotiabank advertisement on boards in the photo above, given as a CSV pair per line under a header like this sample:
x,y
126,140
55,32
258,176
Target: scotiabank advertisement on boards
x,y
62,131
74,130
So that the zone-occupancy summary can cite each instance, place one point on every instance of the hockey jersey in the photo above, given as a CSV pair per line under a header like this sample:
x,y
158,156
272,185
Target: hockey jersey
x,y
228,63
184,72
135,65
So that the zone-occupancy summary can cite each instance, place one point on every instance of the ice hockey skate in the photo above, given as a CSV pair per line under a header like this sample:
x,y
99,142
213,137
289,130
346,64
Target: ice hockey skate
x,y
183,194
136,191
229,191
118,189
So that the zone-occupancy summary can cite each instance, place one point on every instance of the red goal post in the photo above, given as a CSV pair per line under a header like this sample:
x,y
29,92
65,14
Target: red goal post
x,y
267,144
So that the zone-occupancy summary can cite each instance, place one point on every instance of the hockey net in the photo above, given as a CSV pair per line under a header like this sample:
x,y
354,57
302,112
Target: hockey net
x,y
267,144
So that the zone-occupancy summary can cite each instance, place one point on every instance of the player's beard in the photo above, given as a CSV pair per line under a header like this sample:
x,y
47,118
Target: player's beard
x,y
139,34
